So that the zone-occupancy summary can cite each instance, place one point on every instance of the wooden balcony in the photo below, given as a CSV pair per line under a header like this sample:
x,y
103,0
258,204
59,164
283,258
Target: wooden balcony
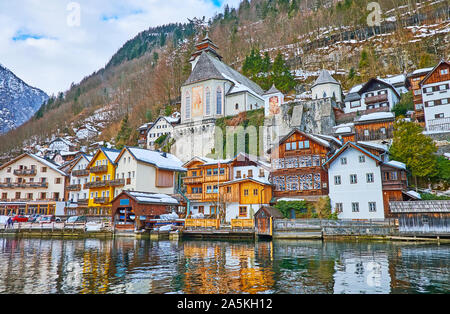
x,y
73,187
118,182
101,200
194,197
80,173
215,178
192,180
25,172
210,196
376,99
83,202
96,184
99,169
23,185
374,135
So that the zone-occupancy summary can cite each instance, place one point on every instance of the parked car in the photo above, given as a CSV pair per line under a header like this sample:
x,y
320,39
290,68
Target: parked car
x,y
20,218
46,219
76,219
34,218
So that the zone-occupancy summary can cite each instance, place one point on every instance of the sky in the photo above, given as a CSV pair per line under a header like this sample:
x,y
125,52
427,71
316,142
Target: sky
x,y
51,43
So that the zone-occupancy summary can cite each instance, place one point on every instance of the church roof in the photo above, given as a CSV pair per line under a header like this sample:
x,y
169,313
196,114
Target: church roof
x,y
272,90
325,78
209,67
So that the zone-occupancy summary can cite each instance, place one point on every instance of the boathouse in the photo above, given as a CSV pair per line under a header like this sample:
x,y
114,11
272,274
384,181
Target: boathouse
x,y
133,210
424,217
264,219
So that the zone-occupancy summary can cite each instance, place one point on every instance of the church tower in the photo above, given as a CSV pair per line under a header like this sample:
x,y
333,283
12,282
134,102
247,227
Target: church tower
x,y
326,87
206,45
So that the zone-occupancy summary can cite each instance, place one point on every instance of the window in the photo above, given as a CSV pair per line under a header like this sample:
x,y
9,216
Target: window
x,y
337,180
394,175
444,71
383,131
366,133
8,170
209,189
372,207
228,189
238,174
288,146
306,144
201,209
355,207
4,196
370,178
44,169
261,173
300,145
208,102
343,161
212,210
294,146
188,105
339,207
209,172
439,115
243,211
237,106
58,180
246,192
255,192
362,159
219,100
353,179
17,195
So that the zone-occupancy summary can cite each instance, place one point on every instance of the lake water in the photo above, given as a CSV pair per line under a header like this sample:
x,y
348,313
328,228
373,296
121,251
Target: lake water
x,y
140,266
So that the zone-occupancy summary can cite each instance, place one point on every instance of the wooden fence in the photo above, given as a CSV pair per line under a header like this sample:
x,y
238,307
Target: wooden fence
x,y
202,223
242,223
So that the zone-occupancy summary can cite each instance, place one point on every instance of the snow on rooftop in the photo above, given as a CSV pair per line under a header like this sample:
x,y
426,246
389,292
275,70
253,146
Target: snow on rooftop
x,y
160,160
396,164
286,199
414,194
377,116
154,198
356,88
374,145
424,70
341,130
48,163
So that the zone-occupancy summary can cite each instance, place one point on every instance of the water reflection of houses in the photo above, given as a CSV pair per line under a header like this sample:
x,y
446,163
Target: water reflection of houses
x,y
218,268
304,267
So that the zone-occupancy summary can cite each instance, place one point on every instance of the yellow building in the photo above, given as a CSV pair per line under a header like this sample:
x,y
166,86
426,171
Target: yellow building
x,y
101,185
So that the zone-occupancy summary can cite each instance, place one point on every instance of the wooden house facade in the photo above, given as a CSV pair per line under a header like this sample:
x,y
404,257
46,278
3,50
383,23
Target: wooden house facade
x,y
297,170
374,127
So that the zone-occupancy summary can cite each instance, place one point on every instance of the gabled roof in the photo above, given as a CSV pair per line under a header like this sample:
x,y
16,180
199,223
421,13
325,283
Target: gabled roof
x,y
316,139
271,212
355,146
254,159
209,67
149,198
111,154
169,120
374,80
39,159
272,90
88,158
62,140
375,116
160,160
432,71
260,181
325,78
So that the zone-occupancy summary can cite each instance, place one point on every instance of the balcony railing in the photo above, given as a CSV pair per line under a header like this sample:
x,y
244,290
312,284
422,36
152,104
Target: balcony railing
x,y
25,172
101,200
97,169
439,125
190,180
74,187
80,173
82,201
102,184
376,99
374,135
194,197
23,185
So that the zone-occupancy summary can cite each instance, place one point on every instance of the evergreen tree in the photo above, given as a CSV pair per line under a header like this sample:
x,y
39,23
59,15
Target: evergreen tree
x,y
124,133
281,76
414,149
405,104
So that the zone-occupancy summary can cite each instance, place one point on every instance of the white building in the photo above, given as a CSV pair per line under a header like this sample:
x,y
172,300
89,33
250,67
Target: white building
x,y
162,126
147,171
31,178
79,176
213,90
326,87
273,99
375,95
436,98
86,132
358,186
61,145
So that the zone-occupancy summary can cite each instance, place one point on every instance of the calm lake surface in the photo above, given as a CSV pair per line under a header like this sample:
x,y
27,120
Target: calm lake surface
x,y
140,266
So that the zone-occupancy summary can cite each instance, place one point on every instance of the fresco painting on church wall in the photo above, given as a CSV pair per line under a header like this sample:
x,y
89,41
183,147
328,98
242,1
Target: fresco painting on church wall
x,y
274,105
197,101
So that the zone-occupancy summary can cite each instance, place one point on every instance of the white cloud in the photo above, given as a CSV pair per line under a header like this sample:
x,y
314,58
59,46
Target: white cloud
x,y
39,46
